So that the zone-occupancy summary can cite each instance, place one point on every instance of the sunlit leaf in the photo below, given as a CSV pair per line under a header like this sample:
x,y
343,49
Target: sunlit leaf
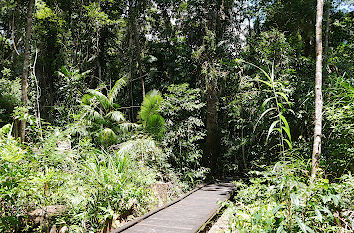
x,y
271,128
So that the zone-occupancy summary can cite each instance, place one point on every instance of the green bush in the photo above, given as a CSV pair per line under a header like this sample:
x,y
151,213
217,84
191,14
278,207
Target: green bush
x,y
339,126
10,96
150,116
185,131
281,199
96,187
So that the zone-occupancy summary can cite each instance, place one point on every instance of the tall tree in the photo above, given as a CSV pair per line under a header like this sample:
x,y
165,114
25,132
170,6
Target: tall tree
x,y
26,59
318,92
326,40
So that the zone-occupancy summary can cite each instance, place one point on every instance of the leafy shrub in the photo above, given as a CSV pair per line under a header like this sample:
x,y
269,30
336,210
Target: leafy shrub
x,y
97,188
12,173
339,128
281,199
184,131
10,96
100,117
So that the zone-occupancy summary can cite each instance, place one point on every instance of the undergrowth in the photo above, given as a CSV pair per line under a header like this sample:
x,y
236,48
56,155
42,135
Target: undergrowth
x,y
282,199
94,187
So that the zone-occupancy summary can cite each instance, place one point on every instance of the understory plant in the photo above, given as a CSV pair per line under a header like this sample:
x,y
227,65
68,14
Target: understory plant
x,y
339,127
101,118
282,199
150,115
185,131
95,188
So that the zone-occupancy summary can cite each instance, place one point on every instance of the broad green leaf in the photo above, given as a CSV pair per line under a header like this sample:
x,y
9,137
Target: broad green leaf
x,y
264,113
116,116
287,128
92,114
265,82
280,229
287,132
295,200
284,96
100,97
276,209
107,135
325,209
281,106
65,71
263,71
272,74
120,83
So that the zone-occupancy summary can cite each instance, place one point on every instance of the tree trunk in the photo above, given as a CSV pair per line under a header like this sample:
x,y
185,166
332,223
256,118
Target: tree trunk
x,y
138,54
325,49
318,92
24,83
211,126
134,32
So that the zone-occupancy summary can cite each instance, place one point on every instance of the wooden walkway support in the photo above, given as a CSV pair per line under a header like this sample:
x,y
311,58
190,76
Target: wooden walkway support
x,y
187,215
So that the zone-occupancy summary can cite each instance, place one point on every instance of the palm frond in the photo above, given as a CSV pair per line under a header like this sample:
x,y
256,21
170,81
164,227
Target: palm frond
x,y
101,98
92,114
107,136
150,105
155,125
127,127
142,148
116,116
120,83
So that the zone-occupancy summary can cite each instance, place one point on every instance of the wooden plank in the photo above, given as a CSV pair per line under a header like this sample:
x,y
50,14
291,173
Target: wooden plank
x,y
187,215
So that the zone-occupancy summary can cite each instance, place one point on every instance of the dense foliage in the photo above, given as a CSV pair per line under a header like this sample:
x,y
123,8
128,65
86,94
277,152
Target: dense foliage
x,y
281,199
125,95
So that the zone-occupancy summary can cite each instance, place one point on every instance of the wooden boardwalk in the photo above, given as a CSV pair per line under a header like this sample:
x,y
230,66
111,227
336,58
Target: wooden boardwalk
x,y
187,215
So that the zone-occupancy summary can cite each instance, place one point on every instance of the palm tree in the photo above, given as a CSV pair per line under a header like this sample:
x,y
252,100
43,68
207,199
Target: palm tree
x,y
101,115
150,116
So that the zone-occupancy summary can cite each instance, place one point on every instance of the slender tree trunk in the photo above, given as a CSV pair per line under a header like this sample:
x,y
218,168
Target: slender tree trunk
x,y
134,30
24,83
138,54
318,92
131,53
243,150
326,40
